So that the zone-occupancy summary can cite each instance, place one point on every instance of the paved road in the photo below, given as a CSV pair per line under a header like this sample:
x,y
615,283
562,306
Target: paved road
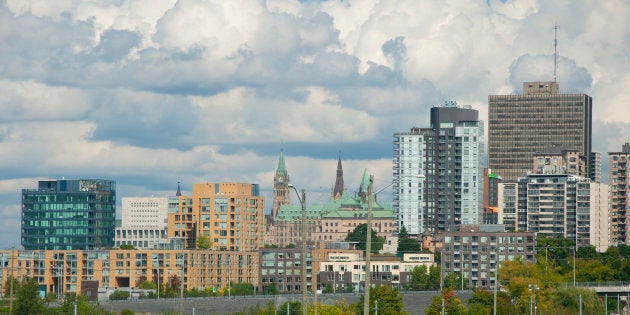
x,y
414,303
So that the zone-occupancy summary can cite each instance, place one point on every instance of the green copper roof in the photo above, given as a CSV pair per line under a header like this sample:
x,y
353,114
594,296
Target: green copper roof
x,y
281,168
345,208
365,182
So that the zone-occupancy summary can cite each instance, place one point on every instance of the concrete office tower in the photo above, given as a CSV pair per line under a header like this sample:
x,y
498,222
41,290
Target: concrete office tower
x,y
230,215
438,172
521,125
557,205
619,163
69,215
144,222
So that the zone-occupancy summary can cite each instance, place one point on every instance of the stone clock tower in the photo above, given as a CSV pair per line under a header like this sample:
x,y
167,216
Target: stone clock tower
x,y
281,192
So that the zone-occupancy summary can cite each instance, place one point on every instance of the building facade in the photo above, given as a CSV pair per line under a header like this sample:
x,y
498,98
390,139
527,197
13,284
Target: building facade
x,y
345,271
475,250
230,216
619,164
438,172
69,214
521,125
61,271
490,197
144,222
557,205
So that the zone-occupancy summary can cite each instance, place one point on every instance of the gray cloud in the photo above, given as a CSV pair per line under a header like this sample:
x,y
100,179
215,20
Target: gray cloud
x,y
571,77
149,93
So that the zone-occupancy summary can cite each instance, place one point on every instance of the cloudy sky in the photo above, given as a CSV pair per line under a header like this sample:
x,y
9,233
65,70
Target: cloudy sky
x,y
149,93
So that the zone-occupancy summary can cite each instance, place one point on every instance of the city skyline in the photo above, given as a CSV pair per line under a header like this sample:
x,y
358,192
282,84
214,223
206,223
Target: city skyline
x,y
149,94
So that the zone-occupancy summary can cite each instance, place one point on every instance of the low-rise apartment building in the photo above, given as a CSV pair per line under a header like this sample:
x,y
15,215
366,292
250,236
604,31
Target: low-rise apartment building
x,y
475,250
69,271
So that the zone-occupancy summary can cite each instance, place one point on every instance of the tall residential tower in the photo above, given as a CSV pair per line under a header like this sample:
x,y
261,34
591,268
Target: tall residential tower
x,y
438,171
618,182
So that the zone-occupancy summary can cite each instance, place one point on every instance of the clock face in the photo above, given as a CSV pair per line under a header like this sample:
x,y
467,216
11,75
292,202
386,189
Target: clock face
x,y
280,180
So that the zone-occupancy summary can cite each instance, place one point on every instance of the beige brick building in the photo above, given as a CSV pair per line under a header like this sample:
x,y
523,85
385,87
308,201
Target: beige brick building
x,y
69,271
230,215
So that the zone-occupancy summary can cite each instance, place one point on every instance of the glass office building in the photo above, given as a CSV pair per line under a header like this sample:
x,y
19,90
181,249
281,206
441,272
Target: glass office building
x,y
69,215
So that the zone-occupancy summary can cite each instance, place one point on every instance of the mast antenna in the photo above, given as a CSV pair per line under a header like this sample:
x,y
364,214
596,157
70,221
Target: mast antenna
x,y
555,52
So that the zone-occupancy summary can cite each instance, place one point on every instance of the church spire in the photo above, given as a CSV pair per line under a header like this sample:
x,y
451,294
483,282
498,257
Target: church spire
x,y
282,170
338,189
179,191
365,183
281,193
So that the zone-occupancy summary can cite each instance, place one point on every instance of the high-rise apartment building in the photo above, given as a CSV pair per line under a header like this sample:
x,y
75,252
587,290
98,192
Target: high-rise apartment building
x,y
619,184
522,125
231,216
438,171
144,222
69,215
557,205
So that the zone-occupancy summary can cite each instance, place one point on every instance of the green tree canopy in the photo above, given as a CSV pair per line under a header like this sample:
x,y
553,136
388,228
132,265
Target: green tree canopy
x,y
452,304
389,301
406,244
203,242
27,300
359,235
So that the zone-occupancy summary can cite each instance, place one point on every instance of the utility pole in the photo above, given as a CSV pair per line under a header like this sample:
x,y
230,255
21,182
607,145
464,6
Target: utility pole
x,y
181,289
368,248
12,280
304,284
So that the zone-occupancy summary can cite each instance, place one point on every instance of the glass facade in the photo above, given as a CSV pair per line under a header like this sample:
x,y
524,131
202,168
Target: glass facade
x,y
69,215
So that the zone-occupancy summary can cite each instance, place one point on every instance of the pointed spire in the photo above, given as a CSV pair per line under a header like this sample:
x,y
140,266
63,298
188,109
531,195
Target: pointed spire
x,y
338,189
179,191
365,182
282,170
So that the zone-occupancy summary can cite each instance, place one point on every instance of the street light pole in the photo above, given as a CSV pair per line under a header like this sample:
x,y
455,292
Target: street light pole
x,y
368,249
302,200
181,289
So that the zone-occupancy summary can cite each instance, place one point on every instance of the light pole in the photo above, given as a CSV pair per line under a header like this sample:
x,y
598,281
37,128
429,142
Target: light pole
x,y
181,288
368,241
368,249
302,200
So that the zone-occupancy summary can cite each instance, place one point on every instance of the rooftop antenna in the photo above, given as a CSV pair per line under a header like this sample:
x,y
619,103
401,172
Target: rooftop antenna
x,y
555,52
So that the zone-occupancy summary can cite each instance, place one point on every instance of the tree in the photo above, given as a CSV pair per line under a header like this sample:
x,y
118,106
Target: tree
x,y
203,242
419,278
389,301
27,300
295,308
242,289
455,281
359,235
406,244
126,246
83,307
119,295
452,304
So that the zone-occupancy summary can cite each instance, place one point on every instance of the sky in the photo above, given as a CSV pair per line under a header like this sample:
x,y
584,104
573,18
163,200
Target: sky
x,y
151,93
